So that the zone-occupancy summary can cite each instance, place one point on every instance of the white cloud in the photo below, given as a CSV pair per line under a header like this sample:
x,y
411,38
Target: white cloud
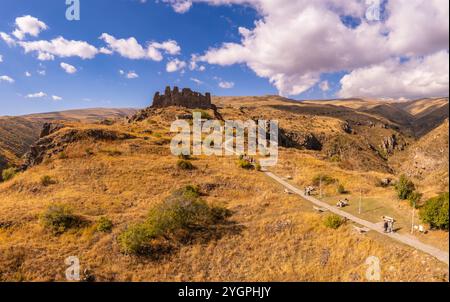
x,y
56,98
226,85
28,25
197,81
68,68
42,72
417,78
27,74
132,75
105,51
44,56
180,6
5,78
121,72
324,86
295,42
60,47
7,38
37,95
170,46
175,65
130,48
1,58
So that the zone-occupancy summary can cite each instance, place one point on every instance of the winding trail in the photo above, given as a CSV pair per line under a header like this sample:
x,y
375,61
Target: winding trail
x,y
435,252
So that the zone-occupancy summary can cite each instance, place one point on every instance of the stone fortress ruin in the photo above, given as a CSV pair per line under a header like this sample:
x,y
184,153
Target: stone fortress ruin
x,y
186,98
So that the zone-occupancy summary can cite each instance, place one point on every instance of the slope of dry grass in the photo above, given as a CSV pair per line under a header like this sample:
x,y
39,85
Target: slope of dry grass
x,y
271,236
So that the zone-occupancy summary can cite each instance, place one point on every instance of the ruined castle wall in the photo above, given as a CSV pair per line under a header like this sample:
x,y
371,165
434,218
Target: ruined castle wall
x,y
186,98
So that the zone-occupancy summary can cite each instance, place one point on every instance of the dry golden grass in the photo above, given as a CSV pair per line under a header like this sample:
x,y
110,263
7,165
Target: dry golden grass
x,y
271,236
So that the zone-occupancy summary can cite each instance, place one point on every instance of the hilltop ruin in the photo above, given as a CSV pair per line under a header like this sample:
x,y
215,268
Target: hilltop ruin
x,y
186,98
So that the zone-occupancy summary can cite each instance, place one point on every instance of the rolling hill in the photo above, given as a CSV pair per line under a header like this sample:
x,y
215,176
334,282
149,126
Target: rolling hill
x,y
122,171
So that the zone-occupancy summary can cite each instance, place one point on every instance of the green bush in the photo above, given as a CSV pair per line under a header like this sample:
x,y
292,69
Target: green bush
x,y
244,164
324,178
182,211
341,189
185,165
59,218
47,180
414,199
435,212
333,221
258,167
204,115
135,240
8,174
63,155
104,224
404,187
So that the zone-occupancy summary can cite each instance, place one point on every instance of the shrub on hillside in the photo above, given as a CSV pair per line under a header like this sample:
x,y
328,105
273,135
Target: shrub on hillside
x,y
59,218
333,221
404,187
341,189
181,213
324,178
185,165
245,164
104,224
47,180
435,212
204,115
8,174
414,199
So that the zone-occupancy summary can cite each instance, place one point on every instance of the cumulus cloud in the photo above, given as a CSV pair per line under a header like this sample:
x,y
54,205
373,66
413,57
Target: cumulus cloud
x,y
1,58
170,46
226,85
7,39
130,48
56,98
36,95
28,25
5,78
175,65
60,47
27,74
70,69
295,42
416,78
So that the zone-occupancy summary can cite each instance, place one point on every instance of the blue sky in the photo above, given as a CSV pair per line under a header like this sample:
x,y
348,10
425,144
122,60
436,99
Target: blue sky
x,y
260,58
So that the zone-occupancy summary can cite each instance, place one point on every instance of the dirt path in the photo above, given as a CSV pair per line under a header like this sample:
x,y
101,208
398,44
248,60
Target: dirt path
x,y
435,252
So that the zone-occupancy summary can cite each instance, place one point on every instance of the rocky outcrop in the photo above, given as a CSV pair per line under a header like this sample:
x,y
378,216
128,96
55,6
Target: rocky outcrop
x,y
49,128
56,141
186,98
390,144
299,140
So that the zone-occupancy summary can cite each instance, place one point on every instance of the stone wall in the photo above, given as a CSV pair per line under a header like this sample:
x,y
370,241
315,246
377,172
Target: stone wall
x,y
186,98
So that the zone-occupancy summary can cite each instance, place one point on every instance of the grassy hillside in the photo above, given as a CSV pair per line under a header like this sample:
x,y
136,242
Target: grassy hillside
x,y
122,171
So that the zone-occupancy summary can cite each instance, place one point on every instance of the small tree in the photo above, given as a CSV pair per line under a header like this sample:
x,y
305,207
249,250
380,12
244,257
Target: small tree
x,y
435,212
405,187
